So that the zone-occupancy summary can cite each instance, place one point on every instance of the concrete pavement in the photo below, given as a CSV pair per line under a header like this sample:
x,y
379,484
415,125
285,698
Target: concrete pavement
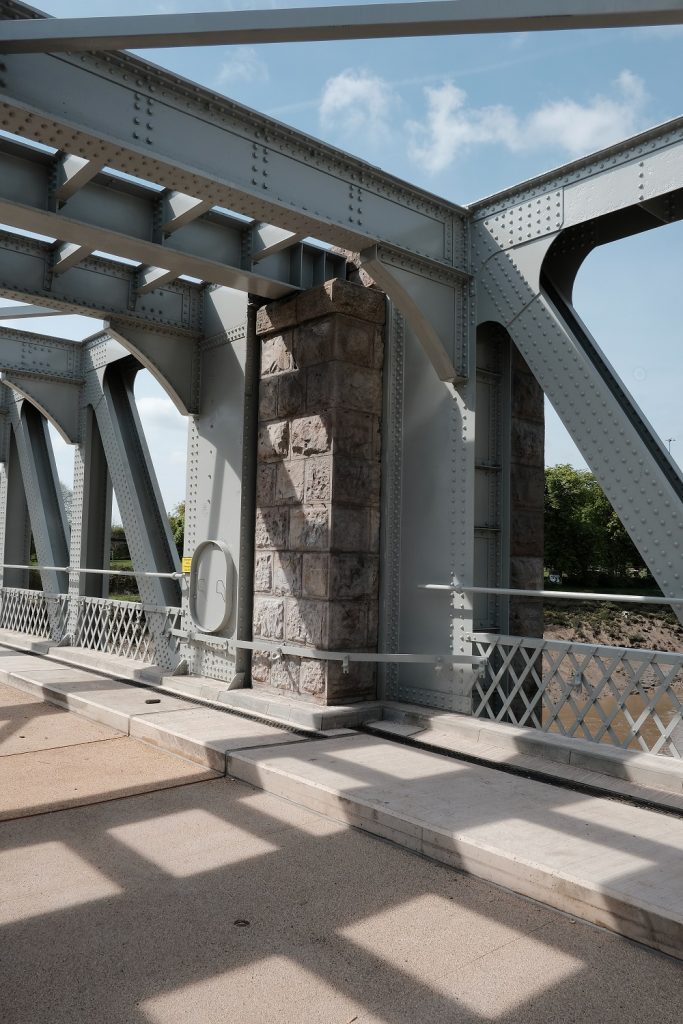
x,y
213,901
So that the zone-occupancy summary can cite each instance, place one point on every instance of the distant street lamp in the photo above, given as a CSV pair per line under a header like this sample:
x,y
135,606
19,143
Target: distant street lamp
x,y
668,441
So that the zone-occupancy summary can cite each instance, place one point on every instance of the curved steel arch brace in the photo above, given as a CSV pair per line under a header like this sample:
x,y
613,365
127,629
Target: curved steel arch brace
x,y
172,361
516,289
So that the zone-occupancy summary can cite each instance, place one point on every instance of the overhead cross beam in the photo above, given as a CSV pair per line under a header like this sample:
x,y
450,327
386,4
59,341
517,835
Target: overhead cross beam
x,y
366,21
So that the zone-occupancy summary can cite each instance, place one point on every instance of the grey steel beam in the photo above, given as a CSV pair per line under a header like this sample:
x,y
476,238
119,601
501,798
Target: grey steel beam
x,y
135,484
171,234
528,244
41,355
433,306
15,525
72,173
56,400
365,21
273,175
90,515
43,493
26,310
174,362
95,287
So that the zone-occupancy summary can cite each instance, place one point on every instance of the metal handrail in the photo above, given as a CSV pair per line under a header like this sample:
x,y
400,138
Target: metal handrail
x,y
98,572
563,595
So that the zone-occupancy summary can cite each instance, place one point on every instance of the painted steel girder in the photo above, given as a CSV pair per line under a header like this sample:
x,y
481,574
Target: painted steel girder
x,y
365,21
174,362
57,400
435,307
42,355
110,391
169,234
199,143
96,287
629,188
43,493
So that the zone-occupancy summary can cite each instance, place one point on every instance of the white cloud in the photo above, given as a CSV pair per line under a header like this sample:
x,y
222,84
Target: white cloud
x,y
244,65
451,126
161,414
356,102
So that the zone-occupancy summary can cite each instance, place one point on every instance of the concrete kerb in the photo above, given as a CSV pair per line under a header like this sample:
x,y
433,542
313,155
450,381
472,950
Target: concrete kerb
x,y
654,771
625,914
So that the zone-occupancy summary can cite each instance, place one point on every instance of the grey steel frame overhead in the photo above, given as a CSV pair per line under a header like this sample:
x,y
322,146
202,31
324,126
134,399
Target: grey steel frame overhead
x,y
510,260
367,21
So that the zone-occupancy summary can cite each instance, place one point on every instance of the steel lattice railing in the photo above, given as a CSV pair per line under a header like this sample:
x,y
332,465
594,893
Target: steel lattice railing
x,y
113,627
33,612
121,627
627,697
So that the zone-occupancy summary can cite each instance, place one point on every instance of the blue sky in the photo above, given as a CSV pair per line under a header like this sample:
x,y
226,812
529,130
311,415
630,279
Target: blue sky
x,y
466,117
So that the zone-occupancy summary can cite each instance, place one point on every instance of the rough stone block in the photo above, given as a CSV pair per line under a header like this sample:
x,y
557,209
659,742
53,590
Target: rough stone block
x,y
267,399
527,442
271,528
526,573
286,573
273,440
284,673
353,576
277,316
526,397
263,572
358,684
312,676
277,355
311,435
355,481
526,535
260,667
527,486
306,621
354,433
265,483
310,529
340,385
339,296
290,395
378,349
269,618
289,482
347,627
350,529
374,534
526,617
315,576
318,486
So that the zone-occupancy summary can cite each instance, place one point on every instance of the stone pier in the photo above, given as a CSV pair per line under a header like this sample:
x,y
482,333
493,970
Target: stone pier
x,y
316,565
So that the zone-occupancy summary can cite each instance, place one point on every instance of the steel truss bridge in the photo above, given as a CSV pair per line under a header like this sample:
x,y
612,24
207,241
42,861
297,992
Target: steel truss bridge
x,y
131,195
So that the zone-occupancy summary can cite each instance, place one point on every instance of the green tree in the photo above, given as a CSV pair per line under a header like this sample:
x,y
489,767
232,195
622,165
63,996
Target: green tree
x,y
584,537
177,520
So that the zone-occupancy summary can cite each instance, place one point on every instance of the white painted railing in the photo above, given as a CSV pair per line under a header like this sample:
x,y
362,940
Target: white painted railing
x,y
33,612
627,697
102,624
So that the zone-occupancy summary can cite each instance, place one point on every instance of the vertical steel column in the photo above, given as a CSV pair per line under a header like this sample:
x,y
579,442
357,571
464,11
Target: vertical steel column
x,y
90,517
220,475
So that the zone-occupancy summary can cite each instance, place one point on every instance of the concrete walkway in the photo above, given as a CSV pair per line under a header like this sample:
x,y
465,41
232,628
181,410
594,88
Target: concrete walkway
x,y
204,900
606,862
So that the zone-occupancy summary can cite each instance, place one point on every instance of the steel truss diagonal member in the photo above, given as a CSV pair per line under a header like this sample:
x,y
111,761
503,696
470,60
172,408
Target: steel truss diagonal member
x,y
529,244
43,495
365,21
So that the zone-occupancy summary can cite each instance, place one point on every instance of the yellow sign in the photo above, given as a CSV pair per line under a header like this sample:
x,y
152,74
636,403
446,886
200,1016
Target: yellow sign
x,y
187,564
